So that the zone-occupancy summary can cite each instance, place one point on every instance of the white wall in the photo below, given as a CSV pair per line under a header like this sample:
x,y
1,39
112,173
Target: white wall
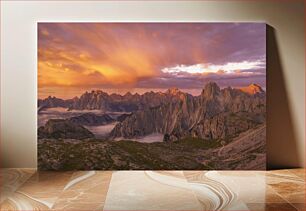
x,y
19,67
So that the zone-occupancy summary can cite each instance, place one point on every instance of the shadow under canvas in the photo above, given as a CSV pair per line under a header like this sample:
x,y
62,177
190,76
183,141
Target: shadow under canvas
x,y
281,139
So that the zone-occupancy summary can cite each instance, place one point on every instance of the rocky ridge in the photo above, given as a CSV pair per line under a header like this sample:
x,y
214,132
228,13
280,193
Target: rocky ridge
x,y
91,119
215,114
63,129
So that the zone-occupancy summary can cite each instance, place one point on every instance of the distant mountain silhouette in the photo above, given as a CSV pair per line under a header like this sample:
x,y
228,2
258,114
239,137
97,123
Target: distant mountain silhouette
x,y
97,99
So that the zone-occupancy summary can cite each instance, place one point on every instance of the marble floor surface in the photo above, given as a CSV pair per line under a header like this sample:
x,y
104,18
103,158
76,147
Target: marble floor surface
x,y
28,189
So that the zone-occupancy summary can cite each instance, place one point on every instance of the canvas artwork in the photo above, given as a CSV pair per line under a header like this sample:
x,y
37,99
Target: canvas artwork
x,y
156,96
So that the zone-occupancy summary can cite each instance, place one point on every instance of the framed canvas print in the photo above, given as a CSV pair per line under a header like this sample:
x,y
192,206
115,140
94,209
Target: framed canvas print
x,y
158,96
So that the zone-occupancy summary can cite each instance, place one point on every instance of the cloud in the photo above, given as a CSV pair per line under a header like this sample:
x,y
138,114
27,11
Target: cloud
x,y
229,67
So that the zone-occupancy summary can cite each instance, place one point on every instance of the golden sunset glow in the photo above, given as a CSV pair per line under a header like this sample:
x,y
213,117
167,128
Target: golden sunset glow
x,y
147,56
125,67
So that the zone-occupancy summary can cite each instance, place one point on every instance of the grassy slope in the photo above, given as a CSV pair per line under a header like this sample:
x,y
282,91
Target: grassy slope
x,y
189,153
98,154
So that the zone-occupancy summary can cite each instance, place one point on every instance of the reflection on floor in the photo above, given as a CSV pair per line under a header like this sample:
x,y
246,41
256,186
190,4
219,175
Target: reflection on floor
x,y
27,189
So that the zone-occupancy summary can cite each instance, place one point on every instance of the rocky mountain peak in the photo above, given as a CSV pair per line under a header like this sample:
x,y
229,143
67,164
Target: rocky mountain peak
x,y
98,92
252,89
210,90
173,91
93,94
128,94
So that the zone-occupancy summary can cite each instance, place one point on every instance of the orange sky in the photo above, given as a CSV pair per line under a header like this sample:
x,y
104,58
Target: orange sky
x,y
74,57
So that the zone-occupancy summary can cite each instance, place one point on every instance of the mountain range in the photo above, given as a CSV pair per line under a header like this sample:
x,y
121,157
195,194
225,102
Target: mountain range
x,y
97,99
215,114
